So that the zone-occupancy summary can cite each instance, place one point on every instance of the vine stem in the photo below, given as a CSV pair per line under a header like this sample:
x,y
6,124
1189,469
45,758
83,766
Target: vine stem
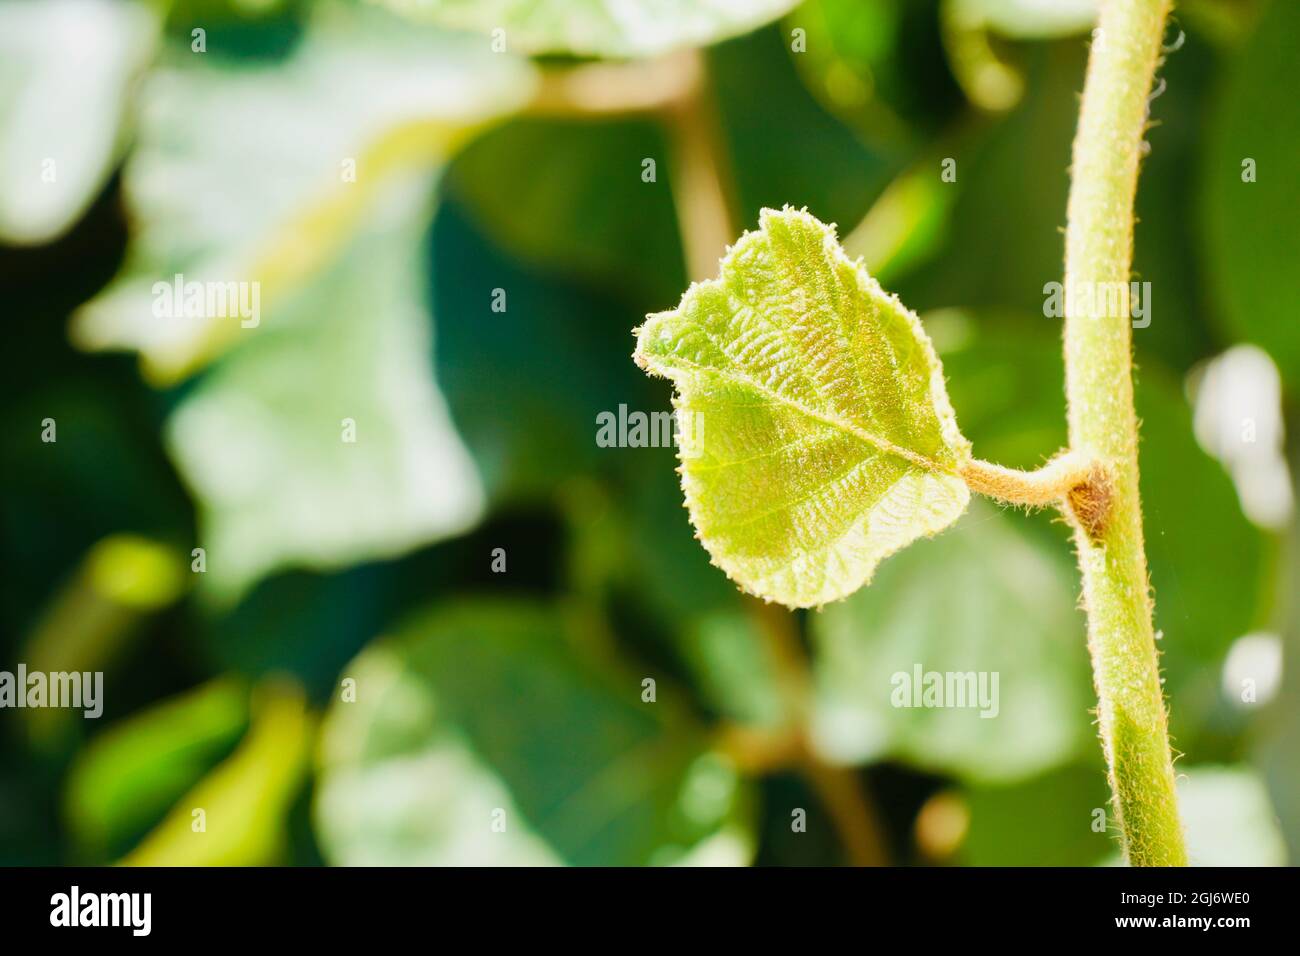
x,y
1108,145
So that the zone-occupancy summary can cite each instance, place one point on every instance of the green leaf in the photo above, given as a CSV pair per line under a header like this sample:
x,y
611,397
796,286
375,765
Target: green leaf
x,y
1062,818
1252,247
733,668
1003,176
246,799
242,175
1026,19
66,69
549,192
984,598
128,776
873,64
1229,817
482,734
817,158
264,441
817,434
599,27
565,343
240,172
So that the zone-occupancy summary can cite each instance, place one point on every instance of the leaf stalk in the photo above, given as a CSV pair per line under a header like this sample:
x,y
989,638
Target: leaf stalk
x,y
1050,485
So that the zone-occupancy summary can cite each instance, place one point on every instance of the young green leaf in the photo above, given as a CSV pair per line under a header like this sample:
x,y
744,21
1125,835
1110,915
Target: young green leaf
x,y
817,434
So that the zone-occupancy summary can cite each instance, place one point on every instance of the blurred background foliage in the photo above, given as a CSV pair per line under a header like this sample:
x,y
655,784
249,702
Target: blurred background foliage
x,y
357,675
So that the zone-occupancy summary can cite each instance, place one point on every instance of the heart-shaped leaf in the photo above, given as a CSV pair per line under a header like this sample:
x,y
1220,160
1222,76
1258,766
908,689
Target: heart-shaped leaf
x,y
817,436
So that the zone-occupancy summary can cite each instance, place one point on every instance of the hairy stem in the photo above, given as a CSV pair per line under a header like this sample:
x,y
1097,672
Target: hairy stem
x,y
1103,427
1049,485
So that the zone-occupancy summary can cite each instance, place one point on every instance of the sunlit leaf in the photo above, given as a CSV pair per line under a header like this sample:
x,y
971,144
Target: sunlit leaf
x,y
482,734
67,68
817,434
984,600
598,27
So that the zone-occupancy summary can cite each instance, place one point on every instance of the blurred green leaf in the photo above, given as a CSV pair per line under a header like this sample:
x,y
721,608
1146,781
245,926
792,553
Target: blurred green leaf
x,y
568,196
324,440
567,350
991,80
67,68
1015,171
1228,818
734,668
242,169
1008,382
1255,133
810,159
245,800
492,712
1051,820
321,439
300,623
1013,168
1027,19
906,224
595,27
872,63
128,776
982,597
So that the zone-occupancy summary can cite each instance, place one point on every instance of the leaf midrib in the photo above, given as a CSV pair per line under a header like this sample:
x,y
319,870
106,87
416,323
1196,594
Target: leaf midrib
x,y
848,428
